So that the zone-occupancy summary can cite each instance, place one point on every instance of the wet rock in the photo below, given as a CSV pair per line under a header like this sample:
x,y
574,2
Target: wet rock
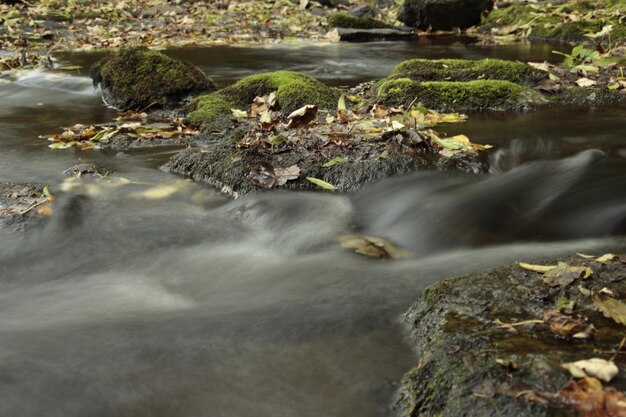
x,y
137,78
17,202
371,35
472,364
86,169
226,165
443,14
363,11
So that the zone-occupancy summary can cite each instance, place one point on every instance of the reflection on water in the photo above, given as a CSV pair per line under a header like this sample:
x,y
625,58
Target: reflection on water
x,y
197,305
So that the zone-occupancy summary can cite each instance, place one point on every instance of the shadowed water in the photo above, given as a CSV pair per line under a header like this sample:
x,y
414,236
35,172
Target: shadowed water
x,y
195,305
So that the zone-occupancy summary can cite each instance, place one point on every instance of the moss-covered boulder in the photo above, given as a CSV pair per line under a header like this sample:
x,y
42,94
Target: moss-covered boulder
x,y
137,78
293,90
566,21
476,95
477,358
467,70
344,20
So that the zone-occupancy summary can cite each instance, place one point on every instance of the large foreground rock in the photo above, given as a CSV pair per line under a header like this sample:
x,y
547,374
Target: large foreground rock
x,y
444,14
476,362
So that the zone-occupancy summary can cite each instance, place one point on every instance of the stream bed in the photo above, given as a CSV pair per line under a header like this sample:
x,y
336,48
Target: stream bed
x,y
192,305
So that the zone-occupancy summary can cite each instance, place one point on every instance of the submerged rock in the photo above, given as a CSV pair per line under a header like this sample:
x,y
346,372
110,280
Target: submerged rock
x,y
17,202
138,78
293,90
371,35
444,14
478,358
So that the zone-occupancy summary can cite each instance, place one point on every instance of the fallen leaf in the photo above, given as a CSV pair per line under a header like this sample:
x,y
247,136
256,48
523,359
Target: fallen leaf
x,y
565,274
585,82
567,326
589,398
536,268
605,258
302,116
159,192
286,174
263,176
595,367
335,161
320,183
239,114
609,306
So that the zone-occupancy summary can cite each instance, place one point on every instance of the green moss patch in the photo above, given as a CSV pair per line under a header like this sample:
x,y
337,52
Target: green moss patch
x,y
458,96
136,78
571,21
466,70
344,20
293,90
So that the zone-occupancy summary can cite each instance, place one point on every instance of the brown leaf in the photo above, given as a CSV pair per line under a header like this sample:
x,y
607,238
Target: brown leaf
x,y
590,399
565,274
375,247
611,307
263,176
303,116
286,174
567,326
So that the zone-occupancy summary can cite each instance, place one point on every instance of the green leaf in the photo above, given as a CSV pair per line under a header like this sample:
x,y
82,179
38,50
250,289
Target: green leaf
x,y
321,183
335,161
341,105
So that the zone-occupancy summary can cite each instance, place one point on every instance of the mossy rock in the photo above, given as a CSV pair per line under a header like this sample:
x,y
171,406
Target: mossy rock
x,y
546,23
466,70
459,96
293,90
585,96
137,78
344,20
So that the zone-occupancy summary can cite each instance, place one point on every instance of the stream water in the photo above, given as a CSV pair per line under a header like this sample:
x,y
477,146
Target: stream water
x,y
195,305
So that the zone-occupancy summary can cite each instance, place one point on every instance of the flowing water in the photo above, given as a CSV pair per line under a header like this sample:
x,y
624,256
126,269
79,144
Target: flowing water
x,y
195,305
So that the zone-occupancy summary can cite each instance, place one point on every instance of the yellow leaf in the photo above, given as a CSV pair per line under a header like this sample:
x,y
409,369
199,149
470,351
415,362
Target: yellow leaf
x,y
605,258
321,183
536,268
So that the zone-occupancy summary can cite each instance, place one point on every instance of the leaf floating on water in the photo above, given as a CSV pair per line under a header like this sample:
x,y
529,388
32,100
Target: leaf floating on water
x,y
565,274
610,307
159,192
286,174
567,326
582,255
536,268
595,367
321,183
372,246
